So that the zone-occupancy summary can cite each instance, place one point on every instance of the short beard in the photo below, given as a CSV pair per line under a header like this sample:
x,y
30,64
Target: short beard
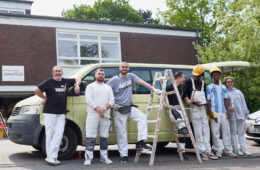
x,y
100,81
123,73
57,78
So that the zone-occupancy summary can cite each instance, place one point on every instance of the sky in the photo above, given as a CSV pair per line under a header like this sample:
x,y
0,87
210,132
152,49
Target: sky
x,y
54,7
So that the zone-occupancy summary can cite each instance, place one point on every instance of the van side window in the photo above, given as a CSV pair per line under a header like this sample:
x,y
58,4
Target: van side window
x,y
187,73
144,74
109,73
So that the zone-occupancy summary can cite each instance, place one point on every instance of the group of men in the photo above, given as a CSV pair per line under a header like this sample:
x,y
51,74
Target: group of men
x,y
117,94
100,97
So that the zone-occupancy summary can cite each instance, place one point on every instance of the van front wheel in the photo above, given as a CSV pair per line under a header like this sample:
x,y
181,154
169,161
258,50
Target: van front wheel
x,y
68,144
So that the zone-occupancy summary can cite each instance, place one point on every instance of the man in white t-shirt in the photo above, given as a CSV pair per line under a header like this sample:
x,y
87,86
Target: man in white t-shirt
x,y
217,100
100,98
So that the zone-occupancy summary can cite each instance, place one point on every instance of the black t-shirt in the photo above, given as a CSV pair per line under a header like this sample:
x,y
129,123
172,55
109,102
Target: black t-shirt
x,y
187,90
56,93
173,98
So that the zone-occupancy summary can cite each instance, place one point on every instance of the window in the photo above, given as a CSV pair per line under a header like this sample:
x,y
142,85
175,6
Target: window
x,y
109,73
82,49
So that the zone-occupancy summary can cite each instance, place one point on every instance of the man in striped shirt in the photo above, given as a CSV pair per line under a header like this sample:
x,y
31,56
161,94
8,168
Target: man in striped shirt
x,y
217,99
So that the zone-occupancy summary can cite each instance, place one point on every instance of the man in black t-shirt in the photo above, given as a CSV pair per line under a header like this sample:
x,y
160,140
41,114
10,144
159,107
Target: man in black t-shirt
x,y
177,114
55,102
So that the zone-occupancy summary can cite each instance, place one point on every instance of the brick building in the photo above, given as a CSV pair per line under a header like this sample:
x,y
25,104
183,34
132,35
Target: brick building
x,y
31,45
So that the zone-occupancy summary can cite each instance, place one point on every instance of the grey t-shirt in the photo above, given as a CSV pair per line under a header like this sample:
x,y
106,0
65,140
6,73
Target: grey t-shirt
x,y
122,88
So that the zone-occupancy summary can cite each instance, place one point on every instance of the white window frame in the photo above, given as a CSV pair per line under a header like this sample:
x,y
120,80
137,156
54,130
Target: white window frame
x,y
78,40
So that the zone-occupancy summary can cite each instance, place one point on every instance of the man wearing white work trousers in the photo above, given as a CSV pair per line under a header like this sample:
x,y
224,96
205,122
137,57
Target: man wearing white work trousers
x,y
54,101
217,97
100,98
122,87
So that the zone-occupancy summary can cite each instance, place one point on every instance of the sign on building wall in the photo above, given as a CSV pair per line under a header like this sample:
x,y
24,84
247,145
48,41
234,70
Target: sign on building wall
x,y
12,73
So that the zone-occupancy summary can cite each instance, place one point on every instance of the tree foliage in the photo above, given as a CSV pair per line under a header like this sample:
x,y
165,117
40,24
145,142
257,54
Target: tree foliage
x,y
110,10
230,31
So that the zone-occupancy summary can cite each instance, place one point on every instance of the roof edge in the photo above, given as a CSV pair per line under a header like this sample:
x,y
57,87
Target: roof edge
x,y
102,22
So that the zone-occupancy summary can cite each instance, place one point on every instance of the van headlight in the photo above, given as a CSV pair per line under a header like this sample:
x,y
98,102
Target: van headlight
x,y
30,109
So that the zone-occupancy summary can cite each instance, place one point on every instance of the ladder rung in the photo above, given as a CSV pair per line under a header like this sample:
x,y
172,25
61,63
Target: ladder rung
x,y
161,78
154,107
175,107
186,150
183,136
151,136
153,121
170,92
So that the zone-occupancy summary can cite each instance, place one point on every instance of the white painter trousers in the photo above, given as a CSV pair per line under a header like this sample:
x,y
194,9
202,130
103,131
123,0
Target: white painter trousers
x,y
120,121
94,123
54,128
200,125
223,125
238,130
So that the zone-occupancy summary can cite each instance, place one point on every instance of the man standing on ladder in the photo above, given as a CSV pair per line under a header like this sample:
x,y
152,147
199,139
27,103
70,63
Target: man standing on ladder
x,y
122,87
194,95
177,114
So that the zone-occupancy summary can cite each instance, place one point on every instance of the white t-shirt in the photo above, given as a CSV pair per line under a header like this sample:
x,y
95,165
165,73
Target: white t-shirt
x,y
98,95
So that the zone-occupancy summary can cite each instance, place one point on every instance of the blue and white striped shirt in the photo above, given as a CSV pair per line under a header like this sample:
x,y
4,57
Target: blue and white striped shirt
x,y
216,95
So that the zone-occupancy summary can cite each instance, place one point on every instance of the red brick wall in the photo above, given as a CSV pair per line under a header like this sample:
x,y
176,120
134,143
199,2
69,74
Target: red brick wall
x,y
163,49
31,47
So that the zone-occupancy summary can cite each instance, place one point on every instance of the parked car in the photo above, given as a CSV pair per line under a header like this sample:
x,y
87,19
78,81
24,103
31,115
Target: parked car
x,y
253,127
25,125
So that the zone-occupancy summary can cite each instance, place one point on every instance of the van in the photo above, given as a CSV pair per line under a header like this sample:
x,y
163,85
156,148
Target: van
x,y
25,125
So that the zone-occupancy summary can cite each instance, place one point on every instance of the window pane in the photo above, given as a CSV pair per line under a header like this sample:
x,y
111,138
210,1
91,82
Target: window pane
x,y
67,62
85,62
67,35
88,37
109,38
110,61
88,49
109,72
187,73
144,74
110,50
67,48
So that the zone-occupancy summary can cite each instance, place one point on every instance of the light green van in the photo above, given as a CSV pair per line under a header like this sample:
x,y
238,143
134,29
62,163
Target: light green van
x,y
25,126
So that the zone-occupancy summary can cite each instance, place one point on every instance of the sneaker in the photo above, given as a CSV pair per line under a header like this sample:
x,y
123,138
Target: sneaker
x,y
183,131
245,152
87,162
238,152
140,145
219,155
57,161
51,161
230,154
212,156
124,159
106,160
204,157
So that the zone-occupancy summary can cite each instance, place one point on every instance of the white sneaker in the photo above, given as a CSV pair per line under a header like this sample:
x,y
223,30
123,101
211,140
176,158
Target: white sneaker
x,y
51,161
238,152
57,161
106,160
245,152
87,162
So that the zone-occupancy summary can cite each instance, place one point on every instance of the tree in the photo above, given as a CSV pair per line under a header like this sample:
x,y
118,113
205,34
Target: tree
x,y
147,17
105,10
230,31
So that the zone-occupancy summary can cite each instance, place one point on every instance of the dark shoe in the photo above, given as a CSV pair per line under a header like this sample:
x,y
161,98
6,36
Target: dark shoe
x,y
185,157
140,145
124,159
183,131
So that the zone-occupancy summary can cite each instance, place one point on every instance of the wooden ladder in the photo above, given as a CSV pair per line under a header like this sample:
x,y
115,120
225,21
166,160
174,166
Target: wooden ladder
x,y
164,99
